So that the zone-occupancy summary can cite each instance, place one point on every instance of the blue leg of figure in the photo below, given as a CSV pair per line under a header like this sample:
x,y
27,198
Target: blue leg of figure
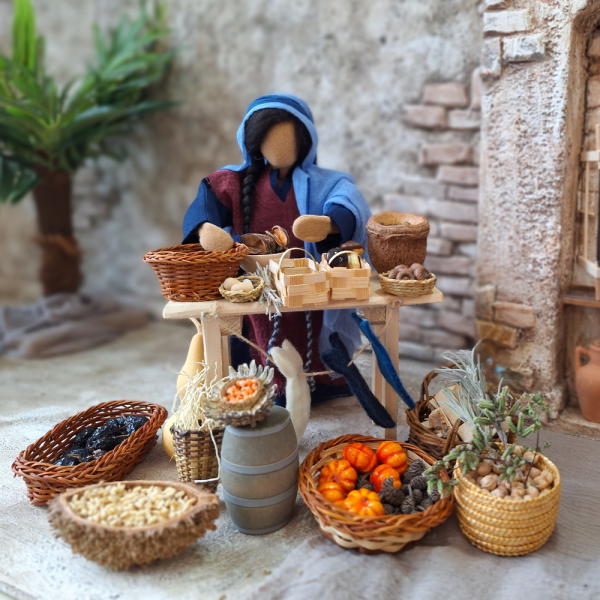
x,y
384,361
337,359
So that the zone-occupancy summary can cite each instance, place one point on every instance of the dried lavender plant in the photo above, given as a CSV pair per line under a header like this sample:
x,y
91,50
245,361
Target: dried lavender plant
x,y
269,298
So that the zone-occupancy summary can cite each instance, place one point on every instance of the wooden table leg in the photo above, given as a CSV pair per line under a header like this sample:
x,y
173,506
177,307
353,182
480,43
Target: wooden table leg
x,y
390,342
213,351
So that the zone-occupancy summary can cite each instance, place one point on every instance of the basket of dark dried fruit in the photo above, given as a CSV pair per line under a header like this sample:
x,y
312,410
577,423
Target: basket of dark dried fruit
x,y
103,443
370,494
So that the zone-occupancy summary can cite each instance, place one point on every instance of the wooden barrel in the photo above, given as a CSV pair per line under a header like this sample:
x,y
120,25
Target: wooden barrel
x,y
259,473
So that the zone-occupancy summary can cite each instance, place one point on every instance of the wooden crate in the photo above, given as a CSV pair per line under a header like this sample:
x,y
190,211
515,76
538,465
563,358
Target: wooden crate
x,y
300,281
348,284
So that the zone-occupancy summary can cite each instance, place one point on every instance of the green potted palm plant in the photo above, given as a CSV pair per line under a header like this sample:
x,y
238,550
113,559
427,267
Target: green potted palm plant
x,y
48,131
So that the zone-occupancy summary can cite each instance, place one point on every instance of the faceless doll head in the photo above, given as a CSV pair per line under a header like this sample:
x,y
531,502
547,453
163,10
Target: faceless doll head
x,y
274,135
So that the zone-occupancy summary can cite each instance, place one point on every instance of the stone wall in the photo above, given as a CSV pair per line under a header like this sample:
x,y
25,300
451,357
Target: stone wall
x,y
356,63
533,106
449,117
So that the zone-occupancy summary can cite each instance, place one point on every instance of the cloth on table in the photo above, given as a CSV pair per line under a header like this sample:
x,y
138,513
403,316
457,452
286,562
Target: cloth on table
x,y
64,323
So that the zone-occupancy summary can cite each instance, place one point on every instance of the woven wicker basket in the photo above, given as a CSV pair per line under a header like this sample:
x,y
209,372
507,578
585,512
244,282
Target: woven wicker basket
x,y
370,535
507,527
257,282
190,274
396,238
45,480
195,455
121,548
425,438
406,287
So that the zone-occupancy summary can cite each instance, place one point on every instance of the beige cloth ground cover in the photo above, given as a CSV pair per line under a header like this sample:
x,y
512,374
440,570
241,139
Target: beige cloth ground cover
x,y
295,562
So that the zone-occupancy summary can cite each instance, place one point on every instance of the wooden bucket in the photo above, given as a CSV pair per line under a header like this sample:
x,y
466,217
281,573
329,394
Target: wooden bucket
x,y
259,473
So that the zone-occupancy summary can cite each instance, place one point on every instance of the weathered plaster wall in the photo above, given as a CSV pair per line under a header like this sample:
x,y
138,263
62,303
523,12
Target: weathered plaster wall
x,y
356,63
532,115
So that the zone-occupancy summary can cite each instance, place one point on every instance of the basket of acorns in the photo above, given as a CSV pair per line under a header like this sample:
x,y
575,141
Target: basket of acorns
x,y
370,494
415,280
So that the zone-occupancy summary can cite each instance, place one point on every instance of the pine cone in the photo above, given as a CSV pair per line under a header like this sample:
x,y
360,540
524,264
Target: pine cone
x,y
415,468
405,489
388,483
418,483
408,506
426,503
363,479
392,496
434,496
417,496
389,509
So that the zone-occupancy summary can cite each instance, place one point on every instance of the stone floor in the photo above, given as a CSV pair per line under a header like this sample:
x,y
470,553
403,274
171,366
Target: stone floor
x,y
143,365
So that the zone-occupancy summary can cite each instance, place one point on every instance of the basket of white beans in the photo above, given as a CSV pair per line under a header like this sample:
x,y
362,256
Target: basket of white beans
x,y
242,289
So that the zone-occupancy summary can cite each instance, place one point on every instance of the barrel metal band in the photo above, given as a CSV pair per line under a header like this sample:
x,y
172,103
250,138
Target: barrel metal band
x,y
260,502
260,469
231,430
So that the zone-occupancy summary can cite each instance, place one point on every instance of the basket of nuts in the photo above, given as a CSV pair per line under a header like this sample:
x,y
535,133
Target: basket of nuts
x,y
123,524
415,280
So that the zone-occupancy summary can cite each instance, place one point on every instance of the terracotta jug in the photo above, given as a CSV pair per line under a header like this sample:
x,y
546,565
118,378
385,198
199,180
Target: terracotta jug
x,y
587,381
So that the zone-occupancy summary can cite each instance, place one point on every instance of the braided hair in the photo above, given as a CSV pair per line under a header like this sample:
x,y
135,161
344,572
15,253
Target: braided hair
x,y
255,130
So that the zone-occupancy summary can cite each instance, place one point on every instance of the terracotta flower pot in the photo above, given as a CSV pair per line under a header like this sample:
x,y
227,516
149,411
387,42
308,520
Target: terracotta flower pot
x,y
396,238
587,381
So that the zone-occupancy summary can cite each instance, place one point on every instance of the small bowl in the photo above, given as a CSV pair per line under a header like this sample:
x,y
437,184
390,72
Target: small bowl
x,y
121,548
252,260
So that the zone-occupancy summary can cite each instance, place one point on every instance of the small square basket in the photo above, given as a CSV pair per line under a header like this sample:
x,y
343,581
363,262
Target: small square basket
x,y
300,281
348,284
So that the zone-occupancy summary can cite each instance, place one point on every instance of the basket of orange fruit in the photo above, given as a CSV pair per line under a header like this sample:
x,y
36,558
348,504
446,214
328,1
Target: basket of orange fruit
x,y
370,494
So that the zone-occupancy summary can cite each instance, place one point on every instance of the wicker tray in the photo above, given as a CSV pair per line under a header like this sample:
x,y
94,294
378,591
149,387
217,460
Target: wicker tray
x,y
257,282
407,287
507,527
45,480
121,548
188,273
370,535
195,456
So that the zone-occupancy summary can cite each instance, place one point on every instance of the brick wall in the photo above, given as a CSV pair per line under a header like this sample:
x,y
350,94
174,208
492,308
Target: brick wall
x,y
449,115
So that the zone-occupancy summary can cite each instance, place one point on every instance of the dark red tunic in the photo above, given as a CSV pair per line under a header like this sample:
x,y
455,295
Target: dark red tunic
x,y
268,209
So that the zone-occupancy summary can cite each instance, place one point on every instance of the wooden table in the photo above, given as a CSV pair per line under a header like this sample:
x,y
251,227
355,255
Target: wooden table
x,y
219,317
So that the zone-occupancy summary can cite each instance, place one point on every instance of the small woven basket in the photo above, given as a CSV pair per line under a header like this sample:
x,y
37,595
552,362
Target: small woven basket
x,y
507,527
188,273
421,436
406,287
396,238
425,438
45,480
121,548
257,282
370,535
195,455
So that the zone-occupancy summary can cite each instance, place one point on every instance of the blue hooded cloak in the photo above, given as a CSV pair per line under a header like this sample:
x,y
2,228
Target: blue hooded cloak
x,y
317,192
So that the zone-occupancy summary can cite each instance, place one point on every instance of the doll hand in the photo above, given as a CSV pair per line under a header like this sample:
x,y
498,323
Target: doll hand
x,y
311,228
214,239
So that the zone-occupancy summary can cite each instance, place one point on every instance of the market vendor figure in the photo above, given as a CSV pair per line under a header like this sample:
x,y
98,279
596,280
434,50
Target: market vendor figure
x,y
279,183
